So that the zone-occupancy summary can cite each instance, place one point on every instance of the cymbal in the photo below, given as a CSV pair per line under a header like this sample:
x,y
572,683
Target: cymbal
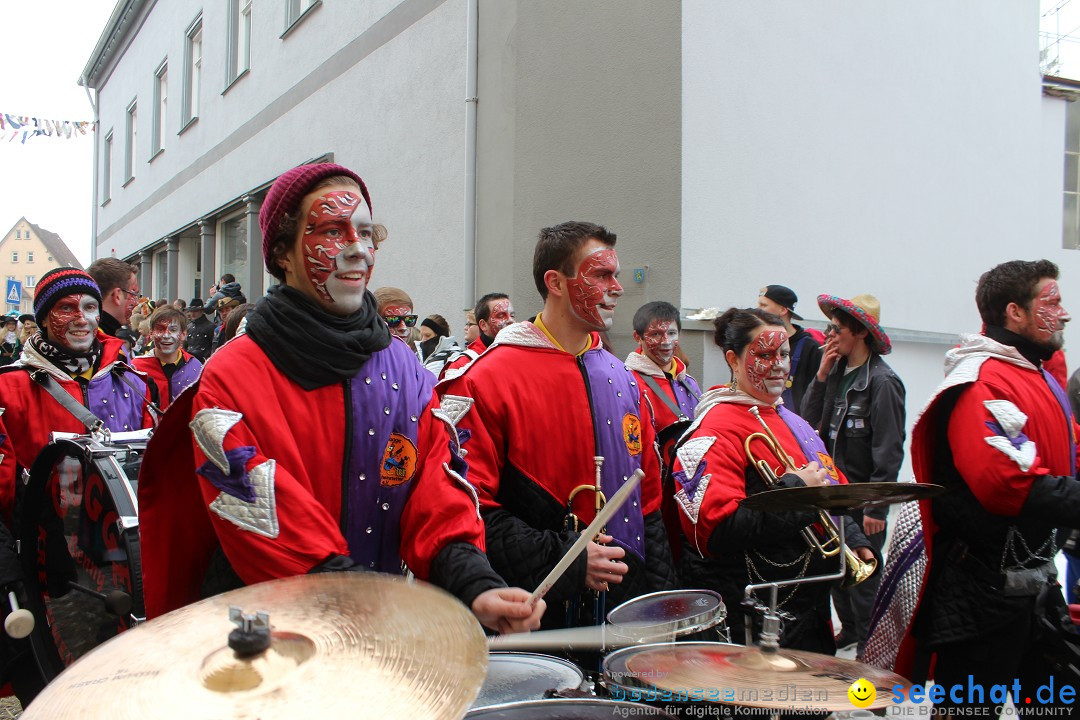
x,y
854,496
747,676
343,645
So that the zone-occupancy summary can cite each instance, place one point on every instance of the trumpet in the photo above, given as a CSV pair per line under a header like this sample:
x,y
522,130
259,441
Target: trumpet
x,y
829,545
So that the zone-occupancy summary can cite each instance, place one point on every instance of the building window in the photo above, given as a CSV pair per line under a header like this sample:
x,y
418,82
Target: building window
x,y
18,234
161,273
14,256
233,244
161,105
50,258
239,39
192,71
131,134
106,169
29,256
295,10
30,281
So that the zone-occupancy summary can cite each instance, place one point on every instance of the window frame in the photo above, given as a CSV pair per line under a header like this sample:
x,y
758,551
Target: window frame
x,y
131,137
238,57
161,108
296,11
193,40
106,168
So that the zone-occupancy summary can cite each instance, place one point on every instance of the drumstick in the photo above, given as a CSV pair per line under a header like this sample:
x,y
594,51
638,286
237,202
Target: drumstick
x,y
592,637
614,503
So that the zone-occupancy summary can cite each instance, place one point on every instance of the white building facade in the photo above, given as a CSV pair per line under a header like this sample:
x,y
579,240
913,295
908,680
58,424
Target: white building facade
x,y
899,148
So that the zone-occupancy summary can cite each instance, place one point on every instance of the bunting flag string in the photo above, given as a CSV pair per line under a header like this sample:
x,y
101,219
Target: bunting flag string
x,y
22,128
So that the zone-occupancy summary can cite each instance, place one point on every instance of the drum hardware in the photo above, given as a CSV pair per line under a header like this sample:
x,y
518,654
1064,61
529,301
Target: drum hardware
x,y
518,677
117,602
573,522
832,543
19,621
566,709
403,650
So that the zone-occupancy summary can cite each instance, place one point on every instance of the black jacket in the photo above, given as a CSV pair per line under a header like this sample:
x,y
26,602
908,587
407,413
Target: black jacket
x,y
803,369
863,431
200,337
525,539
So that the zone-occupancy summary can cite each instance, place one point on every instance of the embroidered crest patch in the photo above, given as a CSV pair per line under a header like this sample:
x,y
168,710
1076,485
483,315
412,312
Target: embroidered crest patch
x,y
828,466
631,430
399,461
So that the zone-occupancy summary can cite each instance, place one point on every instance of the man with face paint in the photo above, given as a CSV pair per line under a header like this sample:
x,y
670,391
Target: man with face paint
x,y
1000,436
396,309
493,312
536,411
171,367
656,331
319,444
805,347
856,402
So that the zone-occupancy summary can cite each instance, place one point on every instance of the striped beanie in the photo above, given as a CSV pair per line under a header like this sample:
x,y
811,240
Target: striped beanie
x,y
60,283
288,190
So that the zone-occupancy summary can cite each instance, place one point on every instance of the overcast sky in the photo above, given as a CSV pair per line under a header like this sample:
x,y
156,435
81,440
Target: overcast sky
x,y
49,180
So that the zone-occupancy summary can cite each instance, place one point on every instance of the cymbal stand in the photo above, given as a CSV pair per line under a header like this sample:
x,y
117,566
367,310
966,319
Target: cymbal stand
x,y
770,628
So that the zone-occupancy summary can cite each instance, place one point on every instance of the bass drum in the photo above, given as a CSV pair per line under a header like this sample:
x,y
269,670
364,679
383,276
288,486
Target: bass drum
x,y
78,535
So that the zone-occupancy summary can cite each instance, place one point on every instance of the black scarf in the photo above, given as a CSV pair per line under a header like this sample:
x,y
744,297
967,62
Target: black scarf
x,y
71,363
309,345
1033,352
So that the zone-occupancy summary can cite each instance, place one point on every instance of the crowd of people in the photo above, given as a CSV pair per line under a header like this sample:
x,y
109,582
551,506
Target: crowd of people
x,y
323,429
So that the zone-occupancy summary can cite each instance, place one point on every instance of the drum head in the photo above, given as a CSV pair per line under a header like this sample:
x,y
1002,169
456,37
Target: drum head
x,y
669,614
567,709
513,677
79,541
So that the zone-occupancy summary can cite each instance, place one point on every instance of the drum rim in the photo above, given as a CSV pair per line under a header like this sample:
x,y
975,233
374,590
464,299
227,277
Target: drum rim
x,y
569,702
575,673
704,620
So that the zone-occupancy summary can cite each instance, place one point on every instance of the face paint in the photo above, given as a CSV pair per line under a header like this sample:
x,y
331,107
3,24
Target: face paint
x,y
767,361
400,329
501,316
659,342
72,322
338,250
168,339
595,290
1050,316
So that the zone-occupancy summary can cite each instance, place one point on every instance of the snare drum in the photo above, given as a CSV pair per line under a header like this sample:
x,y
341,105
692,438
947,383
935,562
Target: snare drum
x,y
516,677
78,533
567,709
673,615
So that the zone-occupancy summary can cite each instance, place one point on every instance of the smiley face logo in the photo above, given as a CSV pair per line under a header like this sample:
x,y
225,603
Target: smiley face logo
x,y
862,693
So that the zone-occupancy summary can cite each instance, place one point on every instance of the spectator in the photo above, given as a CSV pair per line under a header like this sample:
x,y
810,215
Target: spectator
x,y
200,339
119,294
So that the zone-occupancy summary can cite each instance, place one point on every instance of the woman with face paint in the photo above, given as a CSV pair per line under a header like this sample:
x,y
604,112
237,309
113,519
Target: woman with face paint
x,y
171,367
727,547
319,445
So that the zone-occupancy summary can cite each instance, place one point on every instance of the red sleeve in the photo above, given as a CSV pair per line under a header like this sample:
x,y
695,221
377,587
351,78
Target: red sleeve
x,y
8,465
443,507
714,486
303,533
482,428
998,471
651,491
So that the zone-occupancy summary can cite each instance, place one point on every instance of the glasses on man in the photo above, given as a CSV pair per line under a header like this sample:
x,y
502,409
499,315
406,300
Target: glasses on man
x,y
831,329
136,294
392,320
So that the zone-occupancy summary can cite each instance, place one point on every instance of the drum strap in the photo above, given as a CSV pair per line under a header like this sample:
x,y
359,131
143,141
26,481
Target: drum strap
x,y
675,409
81,412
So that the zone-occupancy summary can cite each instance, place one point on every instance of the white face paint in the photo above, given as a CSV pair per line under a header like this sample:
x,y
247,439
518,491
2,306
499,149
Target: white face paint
x,y
73,322
168,339
659,341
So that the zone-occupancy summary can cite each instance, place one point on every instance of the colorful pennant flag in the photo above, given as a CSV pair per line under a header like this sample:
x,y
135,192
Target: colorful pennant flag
x,y
23,128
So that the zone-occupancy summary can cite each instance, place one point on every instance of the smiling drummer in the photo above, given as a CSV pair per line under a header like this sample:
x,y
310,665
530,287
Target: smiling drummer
x,y
172,368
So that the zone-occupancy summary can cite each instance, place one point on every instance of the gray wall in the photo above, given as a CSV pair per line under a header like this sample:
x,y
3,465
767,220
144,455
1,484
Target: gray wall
x,y
579,120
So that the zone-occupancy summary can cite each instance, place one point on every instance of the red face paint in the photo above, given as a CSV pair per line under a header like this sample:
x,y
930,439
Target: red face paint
x,y
338,221
400,328
768,362
1050,316
659,342
595,290
501,316
168,339
73,321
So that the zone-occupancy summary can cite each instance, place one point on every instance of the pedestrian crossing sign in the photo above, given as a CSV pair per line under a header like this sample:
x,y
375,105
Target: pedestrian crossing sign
x,y
14,292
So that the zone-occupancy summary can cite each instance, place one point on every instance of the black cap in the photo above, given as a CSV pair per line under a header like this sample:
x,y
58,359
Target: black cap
x,y
784,297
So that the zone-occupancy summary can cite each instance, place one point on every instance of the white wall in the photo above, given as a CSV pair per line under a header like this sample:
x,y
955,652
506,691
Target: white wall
x,y
379,84
900,148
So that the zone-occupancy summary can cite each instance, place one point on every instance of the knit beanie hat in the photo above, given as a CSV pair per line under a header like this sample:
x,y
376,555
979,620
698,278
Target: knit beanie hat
x,y
288,190
60,283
